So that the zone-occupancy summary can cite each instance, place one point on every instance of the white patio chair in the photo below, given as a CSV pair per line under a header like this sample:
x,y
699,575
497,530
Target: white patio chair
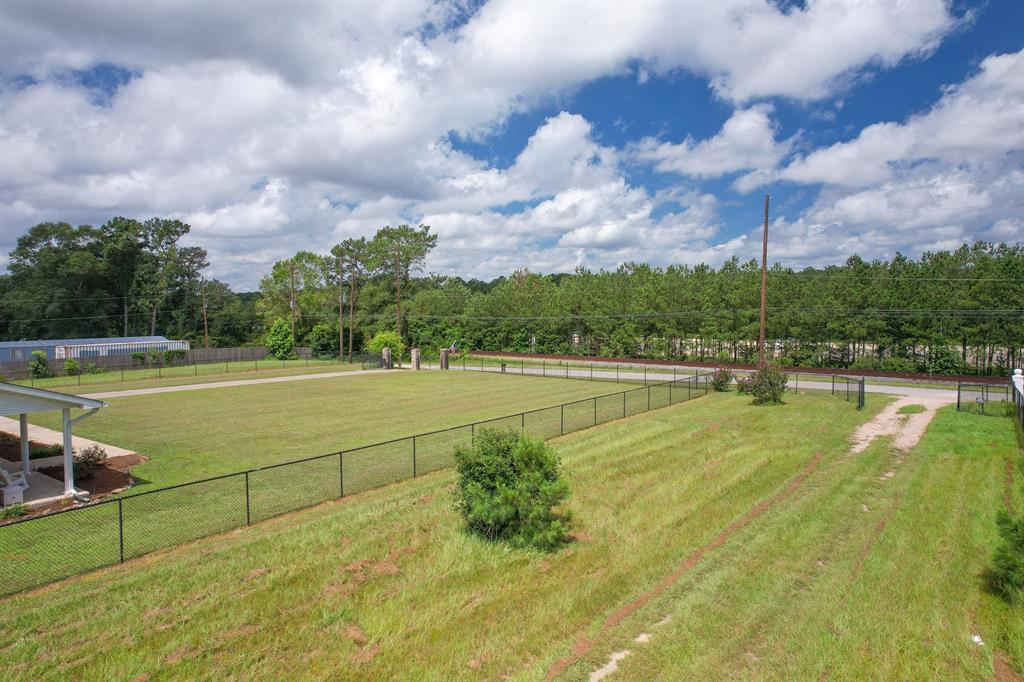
x,y
15,479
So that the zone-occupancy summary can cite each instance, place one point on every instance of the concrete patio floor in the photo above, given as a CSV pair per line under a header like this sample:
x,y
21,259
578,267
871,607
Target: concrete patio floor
x,y
42,489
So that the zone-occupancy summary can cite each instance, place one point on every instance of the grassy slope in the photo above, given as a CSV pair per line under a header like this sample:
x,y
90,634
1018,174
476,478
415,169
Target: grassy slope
x,y
299,592
188,374
860,576
195,434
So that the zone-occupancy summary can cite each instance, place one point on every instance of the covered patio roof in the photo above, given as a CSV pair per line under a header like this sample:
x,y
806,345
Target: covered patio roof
x,y
22,401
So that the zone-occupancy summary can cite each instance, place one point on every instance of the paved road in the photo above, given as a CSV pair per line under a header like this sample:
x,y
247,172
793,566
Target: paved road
x,y
653,375
229,384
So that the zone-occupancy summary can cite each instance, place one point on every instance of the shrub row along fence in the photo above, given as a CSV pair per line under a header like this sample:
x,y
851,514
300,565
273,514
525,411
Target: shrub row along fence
x,y
121,368
991,399
38,550
849,388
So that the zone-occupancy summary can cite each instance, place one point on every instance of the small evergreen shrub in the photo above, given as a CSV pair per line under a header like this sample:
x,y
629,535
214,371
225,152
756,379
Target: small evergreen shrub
x,y
279,341
387,339
744,385
1006,575
767,385
38,367
72,367
89,460
92,368
508,484
898,364
139,357
322,339
174,355
720,380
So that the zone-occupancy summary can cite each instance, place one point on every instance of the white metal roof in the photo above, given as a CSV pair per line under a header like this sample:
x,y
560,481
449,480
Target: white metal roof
x,y
15,399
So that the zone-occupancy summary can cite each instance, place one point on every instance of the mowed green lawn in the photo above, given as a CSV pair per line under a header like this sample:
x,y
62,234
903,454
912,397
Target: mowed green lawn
x,y
190,435
869,569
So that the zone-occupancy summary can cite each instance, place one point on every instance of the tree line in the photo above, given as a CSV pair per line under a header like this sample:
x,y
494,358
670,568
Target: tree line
x,y
125,278
945,312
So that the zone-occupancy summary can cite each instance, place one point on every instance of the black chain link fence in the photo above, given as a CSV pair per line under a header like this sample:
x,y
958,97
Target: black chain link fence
x,y
849,388
42,549
38,550
195,362
990,399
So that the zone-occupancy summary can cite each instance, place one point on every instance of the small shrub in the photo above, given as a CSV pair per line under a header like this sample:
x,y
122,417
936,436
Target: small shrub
x,y
89,460
92,368
72,367
897,364
173,355
322,339
1006,576
38,367
724,356
41,451
720,380
945,361
139,357
767,385
155,357
13,511
508,484
280,341
744,385
387,339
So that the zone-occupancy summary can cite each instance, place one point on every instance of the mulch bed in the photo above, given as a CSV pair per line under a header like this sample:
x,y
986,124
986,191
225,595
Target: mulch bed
x,y
110,478
10,447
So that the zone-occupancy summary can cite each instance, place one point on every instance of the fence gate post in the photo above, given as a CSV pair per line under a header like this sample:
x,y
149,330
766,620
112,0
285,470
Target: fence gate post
x,y
623,404
341,474
562,418
414,456
120,526
833,384
958,396
247,498
648,398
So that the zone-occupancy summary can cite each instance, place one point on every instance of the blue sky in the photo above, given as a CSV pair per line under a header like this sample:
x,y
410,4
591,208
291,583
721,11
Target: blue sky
x,y
547,136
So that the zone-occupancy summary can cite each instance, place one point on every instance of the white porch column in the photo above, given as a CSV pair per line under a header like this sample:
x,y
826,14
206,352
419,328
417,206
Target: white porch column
x,y
69,460
26,466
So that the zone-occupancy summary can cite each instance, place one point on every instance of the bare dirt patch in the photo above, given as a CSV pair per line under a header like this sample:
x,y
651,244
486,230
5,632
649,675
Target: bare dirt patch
x,y
366,654
906,429
585,645
1004,672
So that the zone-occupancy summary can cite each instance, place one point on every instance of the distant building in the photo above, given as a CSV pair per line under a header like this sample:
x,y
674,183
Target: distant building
x,y
61,349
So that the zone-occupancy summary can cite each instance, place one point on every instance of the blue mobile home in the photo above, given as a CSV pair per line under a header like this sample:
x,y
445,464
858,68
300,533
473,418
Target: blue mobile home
x,y
61,349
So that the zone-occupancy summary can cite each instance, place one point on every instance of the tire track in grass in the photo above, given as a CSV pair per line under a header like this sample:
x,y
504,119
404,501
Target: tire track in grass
x,y
584,644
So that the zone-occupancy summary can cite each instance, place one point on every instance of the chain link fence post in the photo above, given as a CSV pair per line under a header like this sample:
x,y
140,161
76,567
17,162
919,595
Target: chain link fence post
x,y
120,527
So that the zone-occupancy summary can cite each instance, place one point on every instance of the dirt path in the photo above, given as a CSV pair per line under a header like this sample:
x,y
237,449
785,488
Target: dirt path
x,y
585,644
906,429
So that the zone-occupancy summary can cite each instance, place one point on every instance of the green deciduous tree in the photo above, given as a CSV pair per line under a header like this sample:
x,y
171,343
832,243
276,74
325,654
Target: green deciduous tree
x,y
280,342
